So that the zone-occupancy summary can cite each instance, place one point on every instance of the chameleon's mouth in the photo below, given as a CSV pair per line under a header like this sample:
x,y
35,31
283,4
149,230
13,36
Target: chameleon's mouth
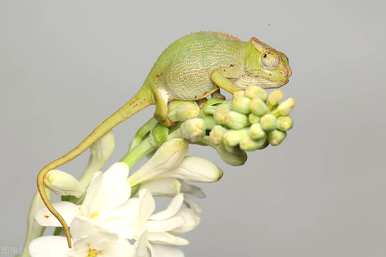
x,y
265,83
246,80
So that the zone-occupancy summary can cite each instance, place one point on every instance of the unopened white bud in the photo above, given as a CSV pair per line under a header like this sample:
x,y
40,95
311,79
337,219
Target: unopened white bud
x,y
63,183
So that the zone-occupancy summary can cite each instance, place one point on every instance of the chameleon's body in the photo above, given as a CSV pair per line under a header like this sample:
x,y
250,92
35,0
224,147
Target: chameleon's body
x,y
191,68
183,68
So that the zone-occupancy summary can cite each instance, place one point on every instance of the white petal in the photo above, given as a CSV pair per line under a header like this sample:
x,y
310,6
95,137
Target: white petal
x,y
192,190
191,220
82,227
147,204
48,246
123,220
164,225
68,211
97,240
166,158
107,244
107,191
162,187
166,238
171,210
63,183
195,169
165,251
120,248
129,220
101,151
142,246
192,205
91,192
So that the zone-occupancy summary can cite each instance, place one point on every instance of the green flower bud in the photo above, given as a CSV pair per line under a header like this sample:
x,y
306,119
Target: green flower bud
x,y
209,121
258,107
256,92
247,144
241,104
252,118
232,138
284,123
274,98
230,149
256,132
231,155
275,137
285,107
193,129
268,122
183,110
216,134
221,113
235,120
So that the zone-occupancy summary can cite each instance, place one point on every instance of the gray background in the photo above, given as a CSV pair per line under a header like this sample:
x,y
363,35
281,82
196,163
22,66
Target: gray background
x,y
65,65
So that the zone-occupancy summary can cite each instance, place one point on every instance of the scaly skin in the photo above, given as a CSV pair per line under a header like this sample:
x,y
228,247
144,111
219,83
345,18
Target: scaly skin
x,y
191,68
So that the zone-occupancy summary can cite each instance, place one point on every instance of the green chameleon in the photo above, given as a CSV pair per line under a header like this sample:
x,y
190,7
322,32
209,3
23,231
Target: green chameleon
x,y
192,68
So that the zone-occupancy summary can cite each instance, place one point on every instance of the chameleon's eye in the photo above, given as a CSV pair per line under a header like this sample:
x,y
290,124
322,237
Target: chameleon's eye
x,y
270,60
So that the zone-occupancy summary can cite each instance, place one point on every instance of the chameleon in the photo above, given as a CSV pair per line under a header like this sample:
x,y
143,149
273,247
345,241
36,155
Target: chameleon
x,y
191,68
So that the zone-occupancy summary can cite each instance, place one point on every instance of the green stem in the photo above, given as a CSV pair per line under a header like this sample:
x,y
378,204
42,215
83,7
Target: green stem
x,y
143,131
157,136
140,151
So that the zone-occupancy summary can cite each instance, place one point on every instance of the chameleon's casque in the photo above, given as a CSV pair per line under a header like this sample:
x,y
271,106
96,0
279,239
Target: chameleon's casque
x,y
191,68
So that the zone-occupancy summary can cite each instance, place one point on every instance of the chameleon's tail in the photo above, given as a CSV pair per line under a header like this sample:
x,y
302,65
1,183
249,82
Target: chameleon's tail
x,y
142,99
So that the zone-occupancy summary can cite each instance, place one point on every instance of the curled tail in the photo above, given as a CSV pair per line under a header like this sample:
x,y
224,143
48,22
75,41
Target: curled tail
x,y
141,100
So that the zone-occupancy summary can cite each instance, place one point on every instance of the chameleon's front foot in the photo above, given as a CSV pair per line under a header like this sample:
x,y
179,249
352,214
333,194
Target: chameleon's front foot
x,y
223,83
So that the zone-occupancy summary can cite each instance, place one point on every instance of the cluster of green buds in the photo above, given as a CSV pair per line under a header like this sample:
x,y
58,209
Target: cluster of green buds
x,y
251,120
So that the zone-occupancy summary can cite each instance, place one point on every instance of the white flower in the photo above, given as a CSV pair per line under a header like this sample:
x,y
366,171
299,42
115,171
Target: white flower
x,y
97,243
107,191
108,207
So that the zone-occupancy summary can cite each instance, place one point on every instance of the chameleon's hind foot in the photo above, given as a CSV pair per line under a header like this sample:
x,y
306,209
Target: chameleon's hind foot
x,y
161,108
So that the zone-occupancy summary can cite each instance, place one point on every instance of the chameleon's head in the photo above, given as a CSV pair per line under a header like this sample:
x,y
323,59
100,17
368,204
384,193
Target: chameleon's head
x,y
266,66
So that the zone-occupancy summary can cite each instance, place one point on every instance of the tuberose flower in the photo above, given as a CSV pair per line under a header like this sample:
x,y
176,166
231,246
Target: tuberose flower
x,y
108,212
97,243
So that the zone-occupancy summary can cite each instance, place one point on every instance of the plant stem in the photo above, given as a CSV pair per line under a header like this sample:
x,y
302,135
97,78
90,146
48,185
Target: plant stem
x,y
156,136
140,151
